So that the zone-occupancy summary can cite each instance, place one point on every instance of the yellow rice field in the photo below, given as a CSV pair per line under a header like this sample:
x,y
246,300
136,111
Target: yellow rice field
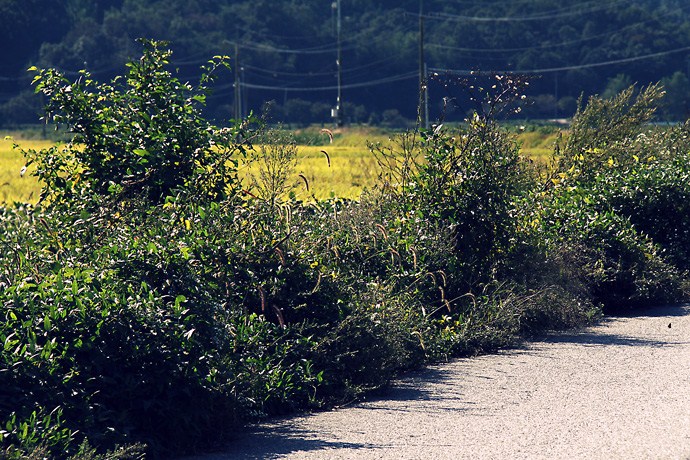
x,y
352,166
343,171
14,186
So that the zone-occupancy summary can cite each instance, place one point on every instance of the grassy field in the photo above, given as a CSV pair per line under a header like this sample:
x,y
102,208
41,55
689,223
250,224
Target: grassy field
x,y
347,169
14,186
350,169
538,145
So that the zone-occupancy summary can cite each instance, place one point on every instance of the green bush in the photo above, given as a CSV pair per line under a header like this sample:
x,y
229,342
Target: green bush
x,y
458,199
152,303
653,191
605,197
140,135
132,295
622,267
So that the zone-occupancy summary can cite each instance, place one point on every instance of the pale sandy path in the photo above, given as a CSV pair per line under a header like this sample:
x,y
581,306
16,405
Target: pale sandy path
x,y
620,390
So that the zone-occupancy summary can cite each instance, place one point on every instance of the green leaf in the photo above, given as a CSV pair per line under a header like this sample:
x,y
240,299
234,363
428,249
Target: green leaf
x,y
141,152
179,300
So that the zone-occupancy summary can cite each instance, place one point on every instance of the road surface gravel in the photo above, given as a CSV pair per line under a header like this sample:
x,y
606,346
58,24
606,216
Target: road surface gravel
x,y
619,390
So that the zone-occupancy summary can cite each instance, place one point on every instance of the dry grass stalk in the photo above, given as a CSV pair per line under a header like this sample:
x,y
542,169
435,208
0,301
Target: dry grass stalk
x,y
383,231
279,315
281,256
306,182
318,283
329,133
327,157
414,257
395,255
262,294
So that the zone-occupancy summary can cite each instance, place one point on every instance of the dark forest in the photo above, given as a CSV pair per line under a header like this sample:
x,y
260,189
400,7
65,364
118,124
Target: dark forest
x,y
287,51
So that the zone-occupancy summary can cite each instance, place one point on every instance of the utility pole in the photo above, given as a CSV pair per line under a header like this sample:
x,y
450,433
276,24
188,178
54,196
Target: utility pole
x,y
238,104
555,108
426,97
244,98
423,104
338,111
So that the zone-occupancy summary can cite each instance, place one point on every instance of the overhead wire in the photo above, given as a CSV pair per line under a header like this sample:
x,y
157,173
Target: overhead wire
x,y
253,31
364,84
323,73
572,67
556,45
491,4
554,14
346,45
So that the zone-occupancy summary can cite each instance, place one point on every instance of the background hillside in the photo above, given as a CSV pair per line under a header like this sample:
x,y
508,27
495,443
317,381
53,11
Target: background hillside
x,y
287,50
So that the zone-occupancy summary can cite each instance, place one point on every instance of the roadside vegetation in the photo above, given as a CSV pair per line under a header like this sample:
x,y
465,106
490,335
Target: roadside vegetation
x,y
157,297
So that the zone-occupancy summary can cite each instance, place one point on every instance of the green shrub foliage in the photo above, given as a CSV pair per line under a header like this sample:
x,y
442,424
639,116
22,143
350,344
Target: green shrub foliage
x,y
143,134
618,191
152,303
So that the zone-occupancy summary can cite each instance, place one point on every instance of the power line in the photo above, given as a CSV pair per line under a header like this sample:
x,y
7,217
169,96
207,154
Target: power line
x,y
326,48
556,45
554,14
573,67
274,49
364,84
502,3
276,36
323,73
320,49
253,32
272,73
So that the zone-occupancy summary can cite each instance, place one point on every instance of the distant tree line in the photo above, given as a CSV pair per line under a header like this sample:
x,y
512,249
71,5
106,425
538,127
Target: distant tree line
x,y
286,51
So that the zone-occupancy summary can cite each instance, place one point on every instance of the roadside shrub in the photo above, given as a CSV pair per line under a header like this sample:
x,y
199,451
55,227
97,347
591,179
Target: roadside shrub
x,y
459,198
141,135
133,295
157,334
152,302
607,161
653,192
465,183
622,267
460,183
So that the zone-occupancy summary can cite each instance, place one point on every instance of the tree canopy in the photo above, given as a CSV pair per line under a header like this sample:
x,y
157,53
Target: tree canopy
x,y
286,51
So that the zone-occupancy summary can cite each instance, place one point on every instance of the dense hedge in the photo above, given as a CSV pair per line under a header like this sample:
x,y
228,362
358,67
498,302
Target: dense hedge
x,y
152,303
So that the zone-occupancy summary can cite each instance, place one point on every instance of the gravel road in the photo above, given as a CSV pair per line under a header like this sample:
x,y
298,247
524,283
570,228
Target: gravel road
x,y
620,390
